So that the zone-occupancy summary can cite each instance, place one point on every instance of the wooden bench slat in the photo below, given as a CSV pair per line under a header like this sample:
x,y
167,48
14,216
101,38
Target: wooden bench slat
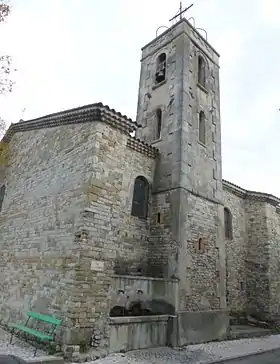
x,y
49,319
31,331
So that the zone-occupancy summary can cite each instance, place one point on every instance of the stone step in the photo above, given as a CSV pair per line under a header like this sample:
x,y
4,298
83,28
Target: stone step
x,y
246,331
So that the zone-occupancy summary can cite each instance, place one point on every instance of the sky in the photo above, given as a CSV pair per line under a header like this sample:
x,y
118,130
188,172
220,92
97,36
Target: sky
x,y
70,53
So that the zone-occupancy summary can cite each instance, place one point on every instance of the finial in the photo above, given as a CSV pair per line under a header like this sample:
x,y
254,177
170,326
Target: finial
x,y
181,11
22,113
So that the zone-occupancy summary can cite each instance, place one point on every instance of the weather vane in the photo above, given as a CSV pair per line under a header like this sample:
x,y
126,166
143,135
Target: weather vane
x,y
181,11
23,112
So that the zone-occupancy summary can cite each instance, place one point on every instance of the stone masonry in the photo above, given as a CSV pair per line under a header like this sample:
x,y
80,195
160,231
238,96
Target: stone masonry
x,y
188,179
66,222
253,251
69,240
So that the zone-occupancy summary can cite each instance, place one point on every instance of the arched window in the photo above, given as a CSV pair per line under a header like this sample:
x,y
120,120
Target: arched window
x,y
201,71
201,128
159,123
2,194
228,223
140,198
161,68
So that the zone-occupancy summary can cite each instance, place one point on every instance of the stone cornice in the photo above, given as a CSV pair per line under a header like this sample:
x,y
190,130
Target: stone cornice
x,y
238,191
252,195
142,147
87,113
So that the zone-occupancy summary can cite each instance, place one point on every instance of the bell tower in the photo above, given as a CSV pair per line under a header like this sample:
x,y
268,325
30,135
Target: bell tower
x,y
179,111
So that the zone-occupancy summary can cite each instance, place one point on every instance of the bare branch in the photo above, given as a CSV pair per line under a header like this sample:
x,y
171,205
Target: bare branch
x,y
4,10
6,83
3,128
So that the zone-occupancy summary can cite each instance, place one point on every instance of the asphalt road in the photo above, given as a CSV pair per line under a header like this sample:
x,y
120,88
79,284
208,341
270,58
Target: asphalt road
x,y
266,358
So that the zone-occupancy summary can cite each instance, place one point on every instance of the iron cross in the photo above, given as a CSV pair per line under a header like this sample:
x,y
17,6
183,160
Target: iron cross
x,y
181,11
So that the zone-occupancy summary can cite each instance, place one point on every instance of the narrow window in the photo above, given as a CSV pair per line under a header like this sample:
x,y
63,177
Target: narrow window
x,y
161,68
202,128
158,217
200,244
228,223
2,194
159,123
201,71
140,198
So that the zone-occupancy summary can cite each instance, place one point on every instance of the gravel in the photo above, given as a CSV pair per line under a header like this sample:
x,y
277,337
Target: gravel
x,y
192,354
195,354
18,348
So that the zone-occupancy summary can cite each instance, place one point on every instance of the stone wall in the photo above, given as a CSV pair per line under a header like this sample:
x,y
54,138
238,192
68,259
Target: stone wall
x,y
236,251
117,242
273,215
109,201
66,221
253,252
41,212
164,234
257,258
202,255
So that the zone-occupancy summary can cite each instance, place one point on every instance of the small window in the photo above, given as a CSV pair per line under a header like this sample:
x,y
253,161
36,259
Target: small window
x,y
140,198
201,71
2,194
200,245
202,128
158,123
158,218
228,223
161,68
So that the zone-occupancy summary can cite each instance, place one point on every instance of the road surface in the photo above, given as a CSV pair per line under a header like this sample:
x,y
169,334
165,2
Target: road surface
x,y
266,358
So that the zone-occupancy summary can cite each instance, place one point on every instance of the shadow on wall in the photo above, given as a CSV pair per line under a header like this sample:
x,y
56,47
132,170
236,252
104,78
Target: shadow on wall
x,y
144,269
127,267
143,308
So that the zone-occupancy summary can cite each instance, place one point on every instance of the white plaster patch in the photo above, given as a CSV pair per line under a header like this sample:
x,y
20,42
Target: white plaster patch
x,y
97,265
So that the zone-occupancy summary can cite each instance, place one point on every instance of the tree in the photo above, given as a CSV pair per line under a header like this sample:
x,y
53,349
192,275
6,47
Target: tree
x,y
6,83
5,61
2,126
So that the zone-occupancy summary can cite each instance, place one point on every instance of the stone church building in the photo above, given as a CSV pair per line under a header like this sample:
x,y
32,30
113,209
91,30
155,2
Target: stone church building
x,y
136,241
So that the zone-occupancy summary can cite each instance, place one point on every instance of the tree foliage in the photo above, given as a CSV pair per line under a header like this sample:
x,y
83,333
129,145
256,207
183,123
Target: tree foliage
x,y
4,10
5,80
6,83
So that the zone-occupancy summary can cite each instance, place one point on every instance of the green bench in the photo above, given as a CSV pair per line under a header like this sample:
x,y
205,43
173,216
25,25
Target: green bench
x,y
46,335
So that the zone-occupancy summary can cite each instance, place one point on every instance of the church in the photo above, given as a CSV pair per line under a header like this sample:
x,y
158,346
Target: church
x,y
136,241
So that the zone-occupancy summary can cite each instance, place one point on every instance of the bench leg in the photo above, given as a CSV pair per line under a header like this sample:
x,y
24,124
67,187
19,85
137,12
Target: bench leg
x,y
12,334
35,351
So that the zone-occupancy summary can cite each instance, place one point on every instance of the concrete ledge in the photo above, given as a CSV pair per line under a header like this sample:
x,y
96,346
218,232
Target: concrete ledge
x,y
144,278
195,327
134,333
243,356
137,319
46,360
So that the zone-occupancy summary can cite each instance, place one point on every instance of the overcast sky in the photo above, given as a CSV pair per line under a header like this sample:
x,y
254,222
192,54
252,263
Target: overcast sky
x,y
74,52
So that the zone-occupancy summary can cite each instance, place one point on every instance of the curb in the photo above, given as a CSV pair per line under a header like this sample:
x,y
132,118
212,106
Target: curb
x,y
243,356
46,360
